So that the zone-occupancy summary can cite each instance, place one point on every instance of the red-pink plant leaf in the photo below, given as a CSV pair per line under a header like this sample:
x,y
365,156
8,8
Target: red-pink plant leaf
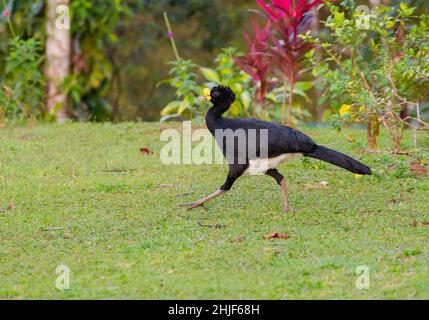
x,y
289,19
257,61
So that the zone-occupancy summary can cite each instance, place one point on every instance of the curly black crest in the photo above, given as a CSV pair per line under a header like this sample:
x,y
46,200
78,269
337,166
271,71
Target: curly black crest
x,y
222,94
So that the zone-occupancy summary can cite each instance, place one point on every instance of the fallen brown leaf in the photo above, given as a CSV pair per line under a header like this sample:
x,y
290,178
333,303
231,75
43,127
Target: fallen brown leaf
x,y
145,151
9,207
414,223
276,235
419,169
425,223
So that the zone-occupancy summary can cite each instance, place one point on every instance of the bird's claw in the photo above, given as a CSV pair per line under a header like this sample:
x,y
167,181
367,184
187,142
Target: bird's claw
x,y
192,205
287,209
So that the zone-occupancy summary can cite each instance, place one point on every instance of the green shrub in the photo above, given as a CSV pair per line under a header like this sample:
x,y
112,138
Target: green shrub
x,y
22,91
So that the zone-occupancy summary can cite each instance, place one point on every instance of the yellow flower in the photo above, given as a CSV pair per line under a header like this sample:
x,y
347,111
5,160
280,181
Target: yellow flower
x,y
345,109
358,176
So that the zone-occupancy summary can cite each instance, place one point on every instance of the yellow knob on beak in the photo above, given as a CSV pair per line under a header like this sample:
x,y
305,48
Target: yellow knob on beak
x,y
206,94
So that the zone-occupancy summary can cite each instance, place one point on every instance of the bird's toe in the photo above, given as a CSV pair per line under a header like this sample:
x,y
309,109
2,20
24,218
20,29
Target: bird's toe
x,y
192,205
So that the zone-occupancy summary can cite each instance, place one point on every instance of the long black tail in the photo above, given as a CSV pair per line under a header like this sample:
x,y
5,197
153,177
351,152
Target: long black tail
x,y
339,159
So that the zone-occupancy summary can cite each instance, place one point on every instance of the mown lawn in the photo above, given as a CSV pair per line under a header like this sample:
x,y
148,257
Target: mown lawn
x,y
123,236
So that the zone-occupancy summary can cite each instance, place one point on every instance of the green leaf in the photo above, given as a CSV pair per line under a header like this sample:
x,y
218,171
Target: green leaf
x,y
210,74
390,24
304,85
246,99
272,97
301,93
339,17
405,11
408,12
235,108
168,117
183,106
171,108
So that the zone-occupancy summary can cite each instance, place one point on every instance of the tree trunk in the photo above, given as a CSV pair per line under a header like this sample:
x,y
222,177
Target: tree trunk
x,y
57,63
373,130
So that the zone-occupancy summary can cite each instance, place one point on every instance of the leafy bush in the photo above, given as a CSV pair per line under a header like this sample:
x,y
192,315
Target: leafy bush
x,y
229,74
376,66
287,21
188,80
22,92
184,80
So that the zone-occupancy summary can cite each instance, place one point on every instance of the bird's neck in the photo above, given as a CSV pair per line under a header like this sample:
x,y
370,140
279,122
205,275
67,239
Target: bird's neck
x,y
215,114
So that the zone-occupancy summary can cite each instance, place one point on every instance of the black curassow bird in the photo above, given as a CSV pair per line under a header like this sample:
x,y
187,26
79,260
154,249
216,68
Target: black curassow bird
x,y
283,142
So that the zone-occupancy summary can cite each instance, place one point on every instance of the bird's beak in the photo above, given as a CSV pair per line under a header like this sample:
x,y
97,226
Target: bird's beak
x,y
206,94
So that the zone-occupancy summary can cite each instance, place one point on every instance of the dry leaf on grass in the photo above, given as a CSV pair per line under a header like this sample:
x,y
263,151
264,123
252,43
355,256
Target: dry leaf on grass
x,y
9,207
419,169
276,235
146,151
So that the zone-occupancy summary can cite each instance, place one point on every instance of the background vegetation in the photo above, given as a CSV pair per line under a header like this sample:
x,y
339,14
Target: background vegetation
x,y
81,182
116,62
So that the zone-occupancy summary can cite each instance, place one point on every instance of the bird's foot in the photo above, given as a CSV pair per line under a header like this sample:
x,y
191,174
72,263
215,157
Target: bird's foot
x,y
287,209
193,205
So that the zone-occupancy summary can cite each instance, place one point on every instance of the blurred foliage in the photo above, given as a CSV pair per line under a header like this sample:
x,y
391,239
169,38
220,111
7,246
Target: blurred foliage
x,y
22,92
187,90
201,29
188,80
28,21
93,32
121,50
376,65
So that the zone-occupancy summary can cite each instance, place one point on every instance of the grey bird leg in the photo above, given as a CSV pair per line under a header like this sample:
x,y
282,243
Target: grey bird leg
x,y
283,187
200,203
235,171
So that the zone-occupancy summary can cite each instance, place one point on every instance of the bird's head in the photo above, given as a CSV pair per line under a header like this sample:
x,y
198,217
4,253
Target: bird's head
x,y
219,96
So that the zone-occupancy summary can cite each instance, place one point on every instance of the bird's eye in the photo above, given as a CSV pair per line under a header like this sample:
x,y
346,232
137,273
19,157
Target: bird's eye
x,y
215,94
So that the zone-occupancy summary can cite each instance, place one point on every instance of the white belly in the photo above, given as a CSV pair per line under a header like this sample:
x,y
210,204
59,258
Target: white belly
x,y
260,166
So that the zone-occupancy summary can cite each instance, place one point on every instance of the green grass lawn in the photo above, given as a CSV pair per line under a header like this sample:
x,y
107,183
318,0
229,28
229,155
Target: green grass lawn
x,y
125,237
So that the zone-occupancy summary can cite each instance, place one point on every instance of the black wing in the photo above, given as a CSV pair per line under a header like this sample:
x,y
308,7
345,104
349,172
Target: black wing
x,y
281,139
